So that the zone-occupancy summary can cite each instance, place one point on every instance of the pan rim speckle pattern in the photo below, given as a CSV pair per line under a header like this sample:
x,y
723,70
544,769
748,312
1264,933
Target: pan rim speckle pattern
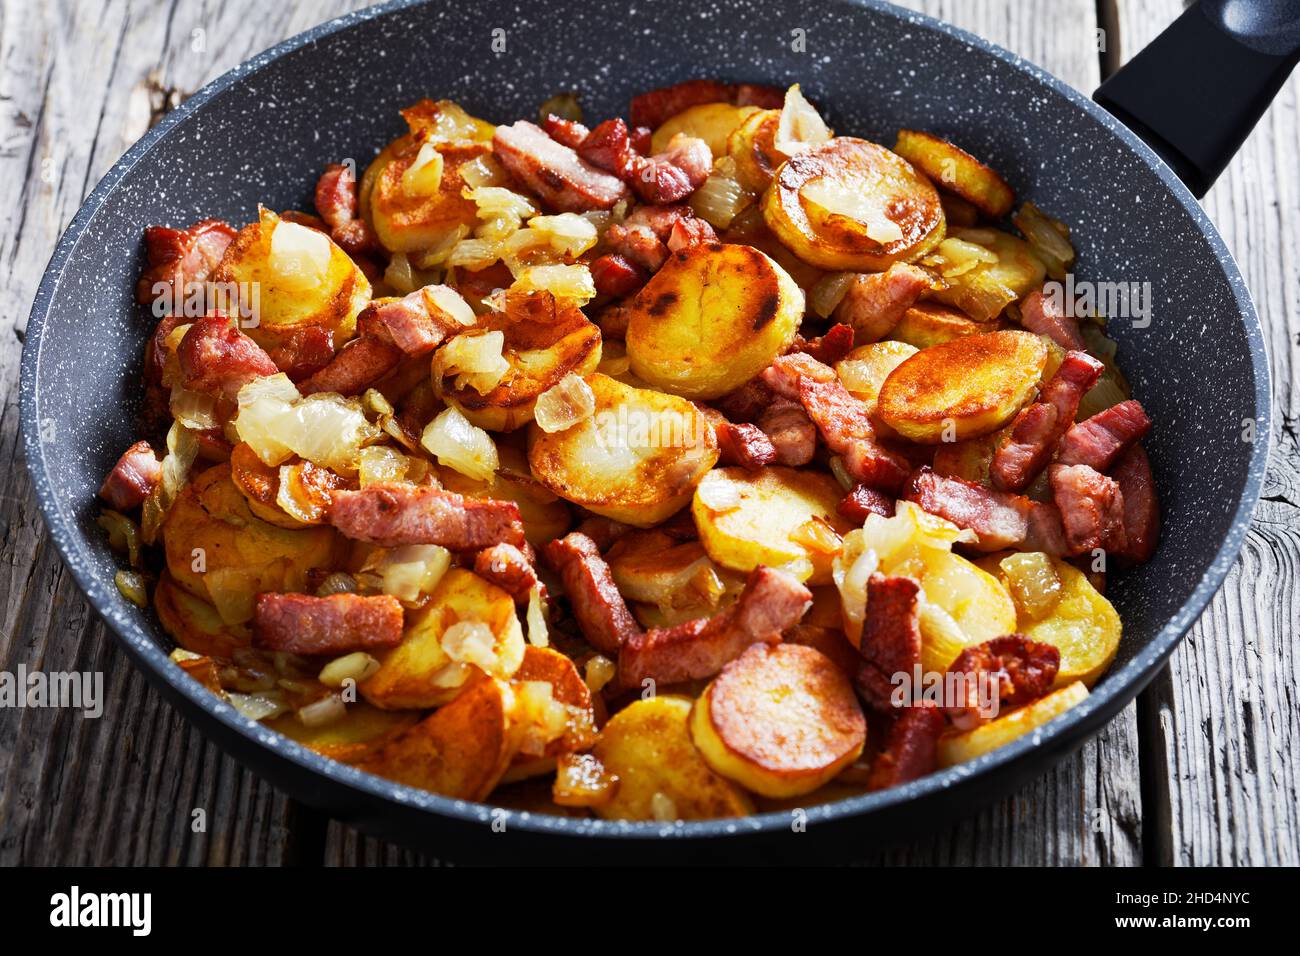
x,y
1118,688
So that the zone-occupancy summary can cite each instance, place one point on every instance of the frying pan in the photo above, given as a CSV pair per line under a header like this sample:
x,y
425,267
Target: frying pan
x,y
262,133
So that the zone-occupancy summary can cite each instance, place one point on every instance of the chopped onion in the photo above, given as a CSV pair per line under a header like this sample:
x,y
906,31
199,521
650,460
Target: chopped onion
x,y
296,498
720,198
564,404
325,429
424,176
816,534
461,446
437,252
860,206
1049,239
182,449
195,410
300,257
598,672
850,570
841,473
131,586
540,716
123,534
376,402
538,636
472,642
337,582
662,807
474,254
801,127
483,171
954,257
379,464
718,494
826,295
498,201
568,233
354,667
409,571
327,710
570,283
1033,582
450,303
262,403
399,275
475,358
258,706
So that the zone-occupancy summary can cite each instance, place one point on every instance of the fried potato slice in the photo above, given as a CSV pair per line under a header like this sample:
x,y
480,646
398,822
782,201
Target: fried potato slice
x,y
711,319
752,146
959,748
962,389
932,323
780,720
461,751
570,691
283,309
781,517
544,341
220,552
356,735
422,671
956,170
711,122
637,459
848,204
647,746
653,566
545,516
978,287
1083,626
194,624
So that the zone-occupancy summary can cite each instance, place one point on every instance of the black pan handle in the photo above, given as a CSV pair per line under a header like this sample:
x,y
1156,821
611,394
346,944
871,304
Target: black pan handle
x,y
1198,90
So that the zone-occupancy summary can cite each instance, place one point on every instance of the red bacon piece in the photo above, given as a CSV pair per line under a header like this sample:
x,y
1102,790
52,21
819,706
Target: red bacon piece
x,y
875,302
602,531
787,372
690,231
393,514
652,108
133,478
911,747
1099,441
218,359
565,132
338,624
845,426
1092,509
555,173
613,275
336,195
1000,519
608,147
829,348
891,638
746,403
303,352
771,602
672,175
355,368
1043,314
1038,427
745,445
1045,531
791,432
180,258
1141,506
1022,669
414,323
862,501
509,568
597,605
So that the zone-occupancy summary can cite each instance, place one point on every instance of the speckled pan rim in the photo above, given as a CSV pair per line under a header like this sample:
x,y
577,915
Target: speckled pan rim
x,y
1111,695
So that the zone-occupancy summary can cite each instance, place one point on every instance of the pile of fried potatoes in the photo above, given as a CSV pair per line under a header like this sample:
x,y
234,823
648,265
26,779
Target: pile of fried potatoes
x,y
491,697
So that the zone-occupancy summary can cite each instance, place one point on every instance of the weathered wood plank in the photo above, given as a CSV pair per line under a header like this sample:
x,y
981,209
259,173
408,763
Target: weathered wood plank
x,y
1223,721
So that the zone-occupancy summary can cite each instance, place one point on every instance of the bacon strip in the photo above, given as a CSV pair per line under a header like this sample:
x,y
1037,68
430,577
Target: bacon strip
x,y
690,231
771,602
336,195
672,175
218,359
357,365
133,478
863,501
1000,519
911,747
891,638
338,624
1043,314
394,514
614,276
415,323
1141,507
652,108
791,432
304,351
509,568
1099,441
1022,671
1045,532
1038,427
875,302
180,258
597,605
1092,509
554,172
829,348
642,238
745,445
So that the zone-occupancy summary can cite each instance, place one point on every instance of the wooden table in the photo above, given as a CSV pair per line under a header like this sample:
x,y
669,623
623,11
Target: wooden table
x,y
1202,769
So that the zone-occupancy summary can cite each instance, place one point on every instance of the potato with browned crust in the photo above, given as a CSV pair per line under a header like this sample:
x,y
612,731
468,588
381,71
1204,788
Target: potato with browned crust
x,y
711,319
661,775
959,748
956,170
752,146
850,204
545,515
932,323
569,691
963,388
711,122
193,623
355,736
543,341
780,720
636,459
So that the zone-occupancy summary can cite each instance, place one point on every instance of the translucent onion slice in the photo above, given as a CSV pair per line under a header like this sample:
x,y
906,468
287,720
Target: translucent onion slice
x,y
461,446
123,534
354,667
449,302
564,404
861,206
598,672
569,234
474,254
380,464
424,176
195,410
300,257
483,171
410,571
497,201
569,283
475,358
538,634
472,642
328,710
720,198
826,295
258,706
540,716
1033,582
130,584
800,126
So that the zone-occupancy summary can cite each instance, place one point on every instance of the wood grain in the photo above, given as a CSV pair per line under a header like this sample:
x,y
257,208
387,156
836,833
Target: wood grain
x,y
122,789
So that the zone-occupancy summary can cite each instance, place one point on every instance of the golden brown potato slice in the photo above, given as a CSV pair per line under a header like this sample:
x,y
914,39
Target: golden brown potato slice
x,y
780,720
637,459
752,145
545,516
781,517
571,692
653,566
964,388
959,748
543,343
323,293
932,323
956,170
195,624
582,781
985,271
711,319
220,552
461,751
711,122
424,670
1083,626
848,204
661,774
356,735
